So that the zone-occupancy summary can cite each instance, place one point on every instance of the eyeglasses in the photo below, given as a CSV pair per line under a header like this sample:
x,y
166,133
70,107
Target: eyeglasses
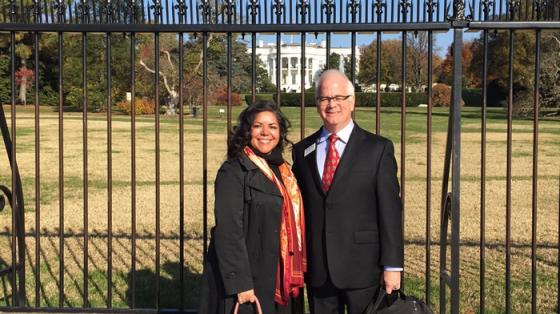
x,y
323,100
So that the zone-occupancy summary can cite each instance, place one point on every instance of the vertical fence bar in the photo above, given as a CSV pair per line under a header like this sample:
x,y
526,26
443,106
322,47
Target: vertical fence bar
x,y
355,9
143,10
429,169
109,175
278,68
403,132
193,10
167,7
456,170
61,169
15,265
85,169
302,84
157,166
535,174
51,6
265,14
216,11
182,176
253,11
69,4
483,173
133,165
253,64
378,83
37,176
229,83
205,141
21,227
508,174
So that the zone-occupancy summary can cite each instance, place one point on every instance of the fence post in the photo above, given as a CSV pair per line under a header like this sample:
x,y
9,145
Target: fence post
x,y
450,207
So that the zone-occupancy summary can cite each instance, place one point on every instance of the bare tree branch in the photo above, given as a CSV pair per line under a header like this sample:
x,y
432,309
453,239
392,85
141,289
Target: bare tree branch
x,y
171,91
196,69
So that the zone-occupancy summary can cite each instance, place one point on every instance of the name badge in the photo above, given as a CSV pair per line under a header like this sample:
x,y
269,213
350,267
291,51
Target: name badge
x,y
309,150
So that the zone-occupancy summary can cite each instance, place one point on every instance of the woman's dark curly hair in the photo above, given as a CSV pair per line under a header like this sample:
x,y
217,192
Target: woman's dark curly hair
x,y
241,135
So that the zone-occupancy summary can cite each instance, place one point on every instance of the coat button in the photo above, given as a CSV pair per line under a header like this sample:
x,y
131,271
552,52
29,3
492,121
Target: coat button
x,y
275,230
232,273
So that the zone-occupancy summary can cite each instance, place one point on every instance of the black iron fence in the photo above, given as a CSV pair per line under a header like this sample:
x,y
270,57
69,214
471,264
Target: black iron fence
x,y
185,20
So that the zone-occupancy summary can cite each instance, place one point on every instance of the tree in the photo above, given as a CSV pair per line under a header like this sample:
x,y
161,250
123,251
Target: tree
x,y
241,68
523,67
417,59
471,77
391,61
550,72
24,78
168,67
4,82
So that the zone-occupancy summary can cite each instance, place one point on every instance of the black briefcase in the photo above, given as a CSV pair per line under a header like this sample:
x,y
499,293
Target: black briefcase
x,y
403,304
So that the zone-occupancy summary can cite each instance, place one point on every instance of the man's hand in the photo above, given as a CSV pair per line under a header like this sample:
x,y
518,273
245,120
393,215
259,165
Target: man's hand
x,y
248,296
391,280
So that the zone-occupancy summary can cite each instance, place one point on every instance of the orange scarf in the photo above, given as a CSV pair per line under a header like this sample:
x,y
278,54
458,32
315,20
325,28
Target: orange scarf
x,y
292,263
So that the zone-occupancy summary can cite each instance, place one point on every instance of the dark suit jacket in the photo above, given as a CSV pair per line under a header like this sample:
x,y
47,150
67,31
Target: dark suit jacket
x,y
245,244
356,228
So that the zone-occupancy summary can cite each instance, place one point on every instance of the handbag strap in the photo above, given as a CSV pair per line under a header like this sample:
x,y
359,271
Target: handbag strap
x,y
257,305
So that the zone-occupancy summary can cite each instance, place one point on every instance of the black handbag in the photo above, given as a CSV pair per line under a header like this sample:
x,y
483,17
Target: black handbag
x,y
402,305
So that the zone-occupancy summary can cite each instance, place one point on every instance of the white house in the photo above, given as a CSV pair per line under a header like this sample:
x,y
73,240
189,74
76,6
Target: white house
x,y
315,60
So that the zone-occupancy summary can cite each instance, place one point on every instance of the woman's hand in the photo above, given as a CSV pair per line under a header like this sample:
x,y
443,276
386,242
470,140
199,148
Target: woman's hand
x,y
246,296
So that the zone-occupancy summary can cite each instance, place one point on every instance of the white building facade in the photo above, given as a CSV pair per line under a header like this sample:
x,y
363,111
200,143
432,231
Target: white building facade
x,y
315,60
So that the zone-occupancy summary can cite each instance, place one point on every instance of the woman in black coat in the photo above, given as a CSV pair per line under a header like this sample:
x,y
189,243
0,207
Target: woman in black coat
x,y
257,250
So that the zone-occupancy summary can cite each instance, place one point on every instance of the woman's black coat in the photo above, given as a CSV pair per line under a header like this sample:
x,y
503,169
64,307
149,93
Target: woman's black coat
x,y
245,244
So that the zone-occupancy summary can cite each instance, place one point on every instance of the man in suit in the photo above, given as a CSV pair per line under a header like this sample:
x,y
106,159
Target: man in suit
x,y
352,205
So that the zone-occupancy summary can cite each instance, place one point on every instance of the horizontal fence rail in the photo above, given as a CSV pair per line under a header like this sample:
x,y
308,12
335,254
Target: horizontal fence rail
x,y
263,12
174,48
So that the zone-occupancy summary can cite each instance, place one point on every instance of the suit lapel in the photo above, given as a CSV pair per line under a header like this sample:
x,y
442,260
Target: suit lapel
x,y
311,159
350,152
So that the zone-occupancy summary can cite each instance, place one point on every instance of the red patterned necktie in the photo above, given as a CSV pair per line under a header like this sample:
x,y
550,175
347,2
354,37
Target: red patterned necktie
x,y
331,162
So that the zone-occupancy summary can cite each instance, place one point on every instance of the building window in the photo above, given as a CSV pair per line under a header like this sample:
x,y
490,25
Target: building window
x,y
284,63
294,62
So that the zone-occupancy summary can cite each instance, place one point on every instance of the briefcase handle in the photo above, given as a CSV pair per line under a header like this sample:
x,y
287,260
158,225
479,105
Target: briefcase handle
x,y
257,306
381,295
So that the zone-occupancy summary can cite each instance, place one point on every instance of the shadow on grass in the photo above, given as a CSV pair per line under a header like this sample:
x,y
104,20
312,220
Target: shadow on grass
x,y
5,283
145,294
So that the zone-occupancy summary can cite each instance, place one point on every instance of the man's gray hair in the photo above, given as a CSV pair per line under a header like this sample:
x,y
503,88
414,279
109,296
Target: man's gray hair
x,y
328,73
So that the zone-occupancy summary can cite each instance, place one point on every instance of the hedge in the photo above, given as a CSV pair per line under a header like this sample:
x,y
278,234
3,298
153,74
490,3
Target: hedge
x,y
471,97
248,97
362,99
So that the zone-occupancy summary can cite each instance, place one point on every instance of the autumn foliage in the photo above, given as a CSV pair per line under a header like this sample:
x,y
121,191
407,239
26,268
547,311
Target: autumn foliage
x,y
441,95
142,105
222,98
